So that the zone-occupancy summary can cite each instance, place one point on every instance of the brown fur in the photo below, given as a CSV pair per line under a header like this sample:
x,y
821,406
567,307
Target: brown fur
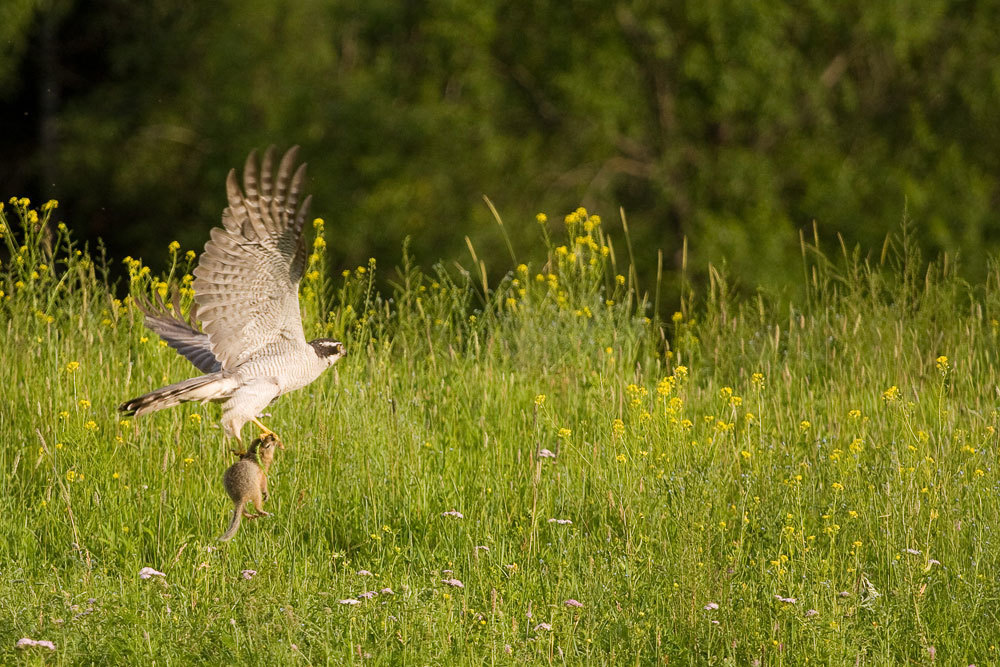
x,y
246,482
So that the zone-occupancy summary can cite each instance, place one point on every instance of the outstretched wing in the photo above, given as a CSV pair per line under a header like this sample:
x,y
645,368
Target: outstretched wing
x,y
247,281
180,334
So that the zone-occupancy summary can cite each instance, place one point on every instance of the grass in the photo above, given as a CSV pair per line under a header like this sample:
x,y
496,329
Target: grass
x,y
755,478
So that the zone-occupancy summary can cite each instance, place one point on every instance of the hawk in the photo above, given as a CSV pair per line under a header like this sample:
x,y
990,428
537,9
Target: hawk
x,y
251,346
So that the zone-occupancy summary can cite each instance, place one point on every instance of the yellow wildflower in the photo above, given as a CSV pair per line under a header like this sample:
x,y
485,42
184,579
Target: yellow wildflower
x,y
942,365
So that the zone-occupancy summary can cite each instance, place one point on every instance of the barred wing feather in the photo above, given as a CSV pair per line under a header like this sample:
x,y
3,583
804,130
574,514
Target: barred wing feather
x,y
180,334
246,282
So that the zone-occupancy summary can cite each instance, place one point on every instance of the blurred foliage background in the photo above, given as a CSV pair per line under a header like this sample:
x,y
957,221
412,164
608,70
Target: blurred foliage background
x,y
735,124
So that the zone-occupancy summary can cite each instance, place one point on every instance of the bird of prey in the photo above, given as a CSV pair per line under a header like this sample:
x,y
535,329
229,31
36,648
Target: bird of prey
x,y
252,348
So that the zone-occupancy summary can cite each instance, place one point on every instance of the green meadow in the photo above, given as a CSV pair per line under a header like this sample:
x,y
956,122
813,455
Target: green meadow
x,y
543,468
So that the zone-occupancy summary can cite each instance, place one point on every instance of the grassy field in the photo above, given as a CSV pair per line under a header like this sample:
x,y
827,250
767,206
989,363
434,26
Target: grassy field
x,y
541,470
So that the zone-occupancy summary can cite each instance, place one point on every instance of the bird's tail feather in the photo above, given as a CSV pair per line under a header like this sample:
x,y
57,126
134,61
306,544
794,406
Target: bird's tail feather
x,y
214,386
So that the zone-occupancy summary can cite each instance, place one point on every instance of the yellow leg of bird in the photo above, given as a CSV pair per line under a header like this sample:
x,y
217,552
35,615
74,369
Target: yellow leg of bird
x,y
241,450
266,431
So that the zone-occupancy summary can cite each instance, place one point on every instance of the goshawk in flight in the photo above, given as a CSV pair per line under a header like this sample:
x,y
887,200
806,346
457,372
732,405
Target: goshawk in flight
x,y
246,294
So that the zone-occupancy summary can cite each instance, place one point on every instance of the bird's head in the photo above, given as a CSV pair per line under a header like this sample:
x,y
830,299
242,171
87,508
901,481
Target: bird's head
x,y
328,350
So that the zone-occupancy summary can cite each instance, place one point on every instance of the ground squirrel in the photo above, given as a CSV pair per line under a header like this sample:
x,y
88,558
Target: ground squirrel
x,y
246,481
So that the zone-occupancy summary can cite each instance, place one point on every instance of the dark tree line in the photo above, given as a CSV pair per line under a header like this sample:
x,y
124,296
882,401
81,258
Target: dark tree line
x,y
732,123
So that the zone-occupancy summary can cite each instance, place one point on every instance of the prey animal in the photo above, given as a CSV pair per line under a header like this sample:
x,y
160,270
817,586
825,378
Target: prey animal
x,y
246,482
251,346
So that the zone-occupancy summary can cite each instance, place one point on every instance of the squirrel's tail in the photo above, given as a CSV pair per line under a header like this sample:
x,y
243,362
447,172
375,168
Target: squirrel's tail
x,y
234,523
